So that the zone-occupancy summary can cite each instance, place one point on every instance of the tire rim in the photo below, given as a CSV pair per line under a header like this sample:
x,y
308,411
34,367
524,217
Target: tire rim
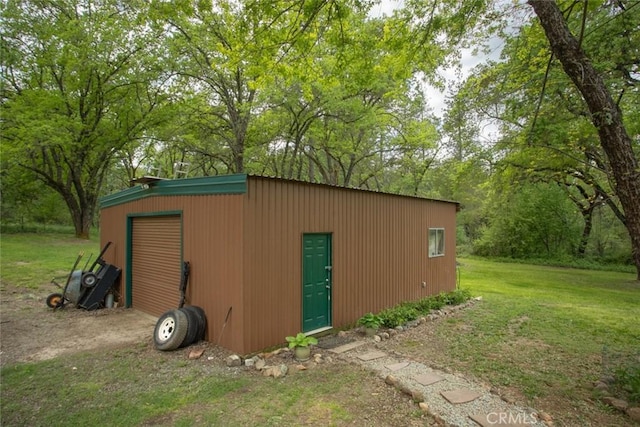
x,y
55,301
166,329
90,281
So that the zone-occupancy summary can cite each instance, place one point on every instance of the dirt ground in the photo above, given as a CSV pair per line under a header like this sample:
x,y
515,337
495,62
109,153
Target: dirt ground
x,y
31,331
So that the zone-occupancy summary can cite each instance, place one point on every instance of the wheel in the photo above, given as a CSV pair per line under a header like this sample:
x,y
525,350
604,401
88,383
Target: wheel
x,y
54,300
89,279
202,321
193,324
170,330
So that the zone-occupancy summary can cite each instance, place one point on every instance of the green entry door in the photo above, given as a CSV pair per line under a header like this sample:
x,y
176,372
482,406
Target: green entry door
x,y
316,281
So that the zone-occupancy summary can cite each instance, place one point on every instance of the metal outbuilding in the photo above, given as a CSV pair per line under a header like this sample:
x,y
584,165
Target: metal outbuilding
x,y
274,257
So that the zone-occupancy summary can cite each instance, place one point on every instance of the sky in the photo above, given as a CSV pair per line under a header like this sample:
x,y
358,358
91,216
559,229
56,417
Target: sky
x,y
436,96
468,61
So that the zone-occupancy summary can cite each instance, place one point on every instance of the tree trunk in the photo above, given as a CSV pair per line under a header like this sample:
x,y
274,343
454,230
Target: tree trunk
x,y
587,216
605,115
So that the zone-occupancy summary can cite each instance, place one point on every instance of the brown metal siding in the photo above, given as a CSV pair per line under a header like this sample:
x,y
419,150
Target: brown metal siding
x,y
212,242
156,263
246,253
380,252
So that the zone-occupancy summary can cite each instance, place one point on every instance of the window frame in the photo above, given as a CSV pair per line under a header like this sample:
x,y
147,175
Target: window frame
x,y
436,233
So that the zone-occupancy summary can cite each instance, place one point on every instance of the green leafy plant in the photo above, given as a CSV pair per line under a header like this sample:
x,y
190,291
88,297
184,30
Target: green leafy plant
x,y
398,315
411,310
301,340
370,320
629,379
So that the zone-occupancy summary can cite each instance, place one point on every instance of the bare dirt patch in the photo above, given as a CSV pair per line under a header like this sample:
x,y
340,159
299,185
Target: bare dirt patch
x,y
31,331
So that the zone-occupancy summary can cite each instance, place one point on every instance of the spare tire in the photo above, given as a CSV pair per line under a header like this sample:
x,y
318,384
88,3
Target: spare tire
x,y
170,330
202,321
192,327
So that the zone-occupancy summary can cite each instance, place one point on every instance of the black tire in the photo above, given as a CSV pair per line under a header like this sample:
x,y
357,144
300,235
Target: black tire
x,y
89,279
54,300
170,330
201,321
192,327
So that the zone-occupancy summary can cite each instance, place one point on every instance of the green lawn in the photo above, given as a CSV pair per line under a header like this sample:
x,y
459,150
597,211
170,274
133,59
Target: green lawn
x,y
544,334
32,260
580,310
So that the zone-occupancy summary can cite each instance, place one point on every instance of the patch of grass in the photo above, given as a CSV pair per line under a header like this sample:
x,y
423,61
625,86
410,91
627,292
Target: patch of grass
x,y
32,260
542,329
143,387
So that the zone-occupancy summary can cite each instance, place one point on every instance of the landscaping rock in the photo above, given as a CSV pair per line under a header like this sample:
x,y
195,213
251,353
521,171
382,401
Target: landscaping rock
x,y
260,364
233,360
391,380
275,371
417,396
251,361
599,385
608,379
284,369
634,413
384,335
508,398
376,338
545,417
196,353
619,404
424,407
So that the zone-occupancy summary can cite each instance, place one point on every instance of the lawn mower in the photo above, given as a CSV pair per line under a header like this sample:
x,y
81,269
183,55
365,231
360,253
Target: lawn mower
x,y
88,287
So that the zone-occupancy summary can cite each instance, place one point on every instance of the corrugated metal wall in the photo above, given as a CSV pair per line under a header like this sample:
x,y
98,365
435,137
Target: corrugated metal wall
x,y
246,253
211,242
380,252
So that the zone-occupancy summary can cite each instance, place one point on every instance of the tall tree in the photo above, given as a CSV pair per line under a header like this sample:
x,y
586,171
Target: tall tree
x,y
605,114
81,81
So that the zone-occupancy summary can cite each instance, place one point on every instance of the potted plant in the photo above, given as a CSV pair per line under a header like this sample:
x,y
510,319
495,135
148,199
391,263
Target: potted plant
x,y
370,322
300,345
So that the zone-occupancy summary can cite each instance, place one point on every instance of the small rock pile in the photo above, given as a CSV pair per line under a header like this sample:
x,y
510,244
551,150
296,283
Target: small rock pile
x,y
276,363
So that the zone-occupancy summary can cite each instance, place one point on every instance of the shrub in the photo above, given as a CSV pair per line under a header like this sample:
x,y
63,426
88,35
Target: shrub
x,y
398,315
410,310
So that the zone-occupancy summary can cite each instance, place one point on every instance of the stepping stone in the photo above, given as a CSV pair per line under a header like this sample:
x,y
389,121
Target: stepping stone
x,y
347,347
397,366
372,355
428,379
461,395
503,419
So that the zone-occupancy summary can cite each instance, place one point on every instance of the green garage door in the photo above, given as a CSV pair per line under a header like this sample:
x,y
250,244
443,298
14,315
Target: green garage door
x,y
316,281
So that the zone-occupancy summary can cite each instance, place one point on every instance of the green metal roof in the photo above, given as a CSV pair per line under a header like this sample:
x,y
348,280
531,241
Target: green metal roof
x,y
221,184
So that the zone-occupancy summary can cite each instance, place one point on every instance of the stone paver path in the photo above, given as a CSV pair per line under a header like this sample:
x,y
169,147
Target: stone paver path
x,y
451,399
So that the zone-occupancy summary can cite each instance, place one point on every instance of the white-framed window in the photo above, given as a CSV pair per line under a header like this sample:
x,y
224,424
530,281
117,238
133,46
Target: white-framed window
x,y
436,242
